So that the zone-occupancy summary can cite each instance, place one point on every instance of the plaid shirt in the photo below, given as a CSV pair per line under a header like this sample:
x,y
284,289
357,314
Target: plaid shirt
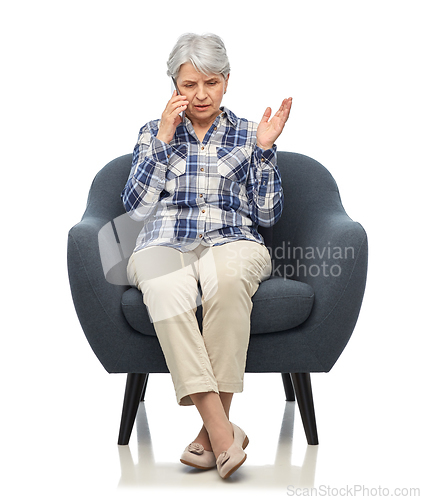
x,y
190,192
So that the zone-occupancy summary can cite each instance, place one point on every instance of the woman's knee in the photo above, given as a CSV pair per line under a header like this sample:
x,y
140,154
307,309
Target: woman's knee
x,y
174,298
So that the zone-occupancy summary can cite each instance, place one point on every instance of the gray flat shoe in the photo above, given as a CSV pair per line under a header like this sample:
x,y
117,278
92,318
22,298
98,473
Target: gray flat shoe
x,y
229,461
196,456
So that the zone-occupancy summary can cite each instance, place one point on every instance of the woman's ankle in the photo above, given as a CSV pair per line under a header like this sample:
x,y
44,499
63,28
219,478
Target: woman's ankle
x,y
203,439
221,439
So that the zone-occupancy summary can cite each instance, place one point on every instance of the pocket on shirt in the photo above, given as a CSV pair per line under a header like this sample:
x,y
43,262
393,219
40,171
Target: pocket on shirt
x,y
177,161
233,163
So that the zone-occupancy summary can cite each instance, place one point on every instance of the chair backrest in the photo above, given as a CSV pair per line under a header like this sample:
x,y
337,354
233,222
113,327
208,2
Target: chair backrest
x,y
104,196
308,188
305,182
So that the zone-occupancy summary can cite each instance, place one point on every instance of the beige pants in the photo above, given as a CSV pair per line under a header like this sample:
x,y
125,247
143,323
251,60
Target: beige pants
x,y
229,275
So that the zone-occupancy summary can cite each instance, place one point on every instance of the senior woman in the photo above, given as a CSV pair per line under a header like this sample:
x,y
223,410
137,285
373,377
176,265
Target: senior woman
x,y
202,181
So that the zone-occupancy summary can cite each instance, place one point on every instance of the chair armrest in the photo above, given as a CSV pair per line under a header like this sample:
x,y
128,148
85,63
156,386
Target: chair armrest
x,y
97,301
324,253
329,251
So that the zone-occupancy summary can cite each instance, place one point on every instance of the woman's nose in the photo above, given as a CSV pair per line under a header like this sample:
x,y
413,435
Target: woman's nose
x,y
201,93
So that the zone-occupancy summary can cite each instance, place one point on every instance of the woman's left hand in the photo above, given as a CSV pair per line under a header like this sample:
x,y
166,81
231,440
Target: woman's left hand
x,y
269,131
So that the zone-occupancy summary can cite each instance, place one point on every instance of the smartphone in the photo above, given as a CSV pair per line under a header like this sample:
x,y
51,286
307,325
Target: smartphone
x,y
174,87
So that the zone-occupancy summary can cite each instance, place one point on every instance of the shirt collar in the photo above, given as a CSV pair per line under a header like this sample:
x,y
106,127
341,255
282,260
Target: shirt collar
x,y
226,114
229,115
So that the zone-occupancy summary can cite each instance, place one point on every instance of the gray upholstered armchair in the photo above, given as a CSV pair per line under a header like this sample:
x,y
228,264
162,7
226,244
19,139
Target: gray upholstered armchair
x,y
302,318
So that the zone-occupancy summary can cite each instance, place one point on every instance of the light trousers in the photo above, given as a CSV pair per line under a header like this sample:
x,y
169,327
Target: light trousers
x,y
228,275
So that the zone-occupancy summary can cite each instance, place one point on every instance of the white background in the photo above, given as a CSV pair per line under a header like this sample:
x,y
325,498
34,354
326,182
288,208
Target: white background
x,y
78,80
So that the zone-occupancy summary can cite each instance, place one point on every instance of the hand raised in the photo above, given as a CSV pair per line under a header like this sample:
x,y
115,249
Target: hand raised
x,y
170,118
269,130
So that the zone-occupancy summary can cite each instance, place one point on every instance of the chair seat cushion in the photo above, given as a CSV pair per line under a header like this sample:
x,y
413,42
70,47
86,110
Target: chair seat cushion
x,y
279,304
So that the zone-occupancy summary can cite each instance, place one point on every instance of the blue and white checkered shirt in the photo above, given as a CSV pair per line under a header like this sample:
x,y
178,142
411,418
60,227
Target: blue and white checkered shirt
x,y
190,192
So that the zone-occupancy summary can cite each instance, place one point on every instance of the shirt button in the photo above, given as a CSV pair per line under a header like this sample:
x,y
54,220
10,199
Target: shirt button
x,y
200,195
203,147
215,128
200,235
202,169
203,211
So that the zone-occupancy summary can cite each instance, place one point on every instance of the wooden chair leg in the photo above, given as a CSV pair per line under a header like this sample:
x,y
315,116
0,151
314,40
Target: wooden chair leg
x,y
304,394
288,387
135,392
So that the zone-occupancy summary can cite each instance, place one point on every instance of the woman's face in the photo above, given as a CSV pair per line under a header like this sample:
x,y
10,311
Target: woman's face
x,y
203,92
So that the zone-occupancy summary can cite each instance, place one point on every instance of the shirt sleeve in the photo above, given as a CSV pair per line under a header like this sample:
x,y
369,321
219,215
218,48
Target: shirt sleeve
x,y
147,176
264,189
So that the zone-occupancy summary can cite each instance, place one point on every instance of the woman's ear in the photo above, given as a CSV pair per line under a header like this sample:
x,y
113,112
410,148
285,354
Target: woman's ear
x,y
226,83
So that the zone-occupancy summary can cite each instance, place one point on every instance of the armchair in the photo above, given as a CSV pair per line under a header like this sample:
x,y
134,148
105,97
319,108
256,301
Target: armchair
x,y
302,318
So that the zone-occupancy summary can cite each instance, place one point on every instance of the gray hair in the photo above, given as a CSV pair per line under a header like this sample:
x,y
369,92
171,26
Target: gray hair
x,y
206,53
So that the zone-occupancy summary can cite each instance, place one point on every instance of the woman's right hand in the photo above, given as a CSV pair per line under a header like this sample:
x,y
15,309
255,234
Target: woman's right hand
x,y
170,118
